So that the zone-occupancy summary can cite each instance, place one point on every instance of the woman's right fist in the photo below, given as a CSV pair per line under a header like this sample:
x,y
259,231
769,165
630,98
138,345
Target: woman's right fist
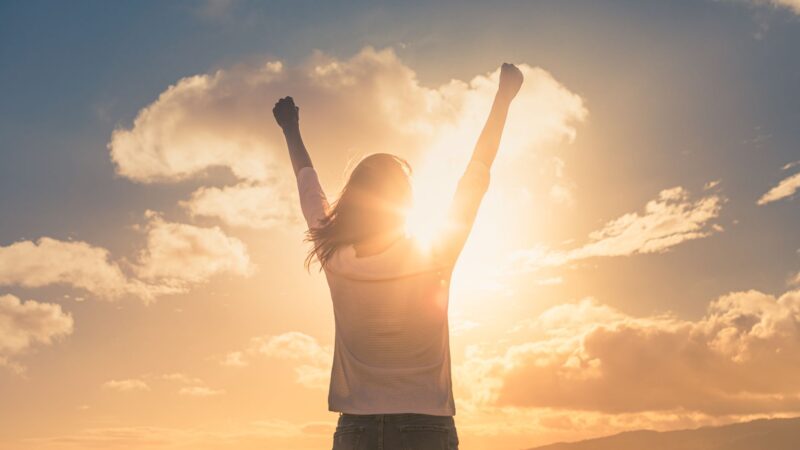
x,y
286,114
510,81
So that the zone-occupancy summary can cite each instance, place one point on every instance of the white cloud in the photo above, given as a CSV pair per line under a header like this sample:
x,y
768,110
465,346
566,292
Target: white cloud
x,y
175,257
245,205
786,188
788,5
223,120
291,345
178,255
670,219
126,385
191,386
794,280
187,385
78,264
200,391
312,359
793,5
181,378
197,124
28,323
235,359
790,164
561,193
740,358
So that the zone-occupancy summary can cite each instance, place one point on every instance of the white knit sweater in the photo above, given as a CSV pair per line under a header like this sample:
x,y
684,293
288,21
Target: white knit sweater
x,y
392,350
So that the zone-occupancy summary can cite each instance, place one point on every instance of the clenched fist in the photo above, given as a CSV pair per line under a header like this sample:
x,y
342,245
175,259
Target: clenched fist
x,y
286,113
510,81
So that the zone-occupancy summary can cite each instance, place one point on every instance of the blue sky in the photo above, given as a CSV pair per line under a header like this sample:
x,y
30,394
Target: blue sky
x,y
710,85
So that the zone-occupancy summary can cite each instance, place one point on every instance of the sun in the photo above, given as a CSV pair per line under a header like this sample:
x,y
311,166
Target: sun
x,y
422,226
483,261
428,214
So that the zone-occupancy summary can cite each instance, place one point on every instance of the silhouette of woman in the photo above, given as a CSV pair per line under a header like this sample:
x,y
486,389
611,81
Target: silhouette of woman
x,y
390,380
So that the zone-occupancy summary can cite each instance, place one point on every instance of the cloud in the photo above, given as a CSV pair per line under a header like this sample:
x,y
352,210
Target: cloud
x,y
223,120
788,5
127,385
200,391
670,219
312,359
794,280
28,323
181,378
74,263
790,164
189,129
192,387
175,257
786,188
187,386
793,5
178,255
245,205
740,358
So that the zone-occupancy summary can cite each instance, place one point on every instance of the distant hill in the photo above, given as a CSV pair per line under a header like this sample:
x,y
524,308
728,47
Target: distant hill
x,y
765,434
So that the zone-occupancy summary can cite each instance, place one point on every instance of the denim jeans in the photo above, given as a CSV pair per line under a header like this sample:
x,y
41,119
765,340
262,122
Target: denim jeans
x,y
395,432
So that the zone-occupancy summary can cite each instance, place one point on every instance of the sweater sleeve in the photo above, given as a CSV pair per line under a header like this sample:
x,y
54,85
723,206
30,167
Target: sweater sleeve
x,y
313,201
462,213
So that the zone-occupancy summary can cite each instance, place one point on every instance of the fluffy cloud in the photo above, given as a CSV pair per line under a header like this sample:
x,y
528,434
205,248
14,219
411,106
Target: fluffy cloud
x,y
178,255
244,205
740,358
181,378
223,119
175,257
789,5
794,280
793,5
786,188
312,359
187,386
191,127
78,264
127,385
25,324
200,391
670,219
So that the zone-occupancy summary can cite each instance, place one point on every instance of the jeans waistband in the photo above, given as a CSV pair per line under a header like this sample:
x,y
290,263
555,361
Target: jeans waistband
x,y
393,416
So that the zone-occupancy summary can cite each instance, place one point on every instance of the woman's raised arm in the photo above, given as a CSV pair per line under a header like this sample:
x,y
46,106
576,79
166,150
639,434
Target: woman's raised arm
x,y
287,116
313,201
475,181
489,140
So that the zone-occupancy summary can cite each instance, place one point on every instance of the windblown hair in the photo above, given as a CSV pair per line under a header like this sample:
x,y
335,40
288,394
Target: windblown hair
x,y
374,200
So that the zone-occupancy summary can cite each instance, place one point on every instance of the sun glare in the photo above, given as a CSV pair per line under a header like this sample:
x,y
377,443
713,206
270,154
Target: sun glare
x,y
481,265
433,190
424,219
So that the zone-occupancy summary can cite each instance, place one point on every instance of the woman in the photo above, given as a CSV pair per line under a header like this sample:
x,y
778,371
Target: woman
x,y
390,380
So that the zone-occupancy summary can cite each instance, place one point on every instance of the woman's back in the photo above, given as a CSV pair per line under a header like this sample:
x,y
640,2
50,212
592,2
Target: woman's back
x,y
394,314
392,352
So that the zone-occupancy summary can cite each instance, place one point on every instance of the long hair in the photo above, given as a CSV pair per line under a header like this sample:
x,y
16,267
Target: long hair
x,y
374,200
